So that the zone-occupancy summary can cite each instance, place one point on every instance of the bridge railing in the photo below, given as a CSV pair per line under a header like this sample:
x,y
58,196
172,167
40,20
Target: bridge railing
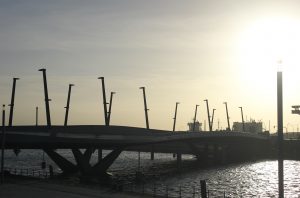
x,y
156,189
163,190
29,172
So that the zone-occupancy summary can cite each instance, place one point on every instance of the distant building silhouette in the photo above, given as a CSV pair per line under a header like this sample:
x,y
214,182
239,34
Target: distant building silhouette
x,y
252,126
198,126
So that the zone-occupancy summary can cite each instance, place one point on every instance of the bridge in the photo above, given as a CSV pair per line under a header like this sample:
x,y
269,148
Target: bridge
x,y
206,146
217,146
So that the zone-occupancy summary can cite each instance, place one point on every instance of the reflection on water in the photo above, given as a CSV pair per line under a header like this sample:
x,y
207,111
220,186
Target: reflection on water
x,y
253,179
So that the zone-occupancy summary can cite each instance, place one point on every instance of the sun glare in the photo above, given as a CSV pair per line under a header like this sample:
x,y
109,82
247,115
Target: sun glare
x,y
265,42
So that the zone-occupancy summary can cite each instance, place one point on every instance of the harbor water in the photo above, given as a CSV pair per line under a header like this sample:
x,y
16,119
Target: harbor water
x,y
249,179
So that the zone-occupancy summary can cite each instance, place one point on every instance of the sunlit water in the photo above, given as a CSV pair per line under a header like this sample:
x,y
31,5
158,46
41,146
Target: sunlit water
x,y
252,179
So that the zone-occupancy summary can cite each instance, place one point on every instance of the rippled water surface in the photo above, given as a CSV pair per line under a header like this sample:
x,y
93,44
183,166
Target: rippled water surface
x,y
252,179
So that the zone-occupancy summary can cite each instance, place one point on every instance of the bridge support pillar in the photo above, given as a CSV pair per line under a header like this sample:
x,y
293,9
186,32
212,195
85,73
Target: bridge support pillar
x,y
83,162
101,167
65,165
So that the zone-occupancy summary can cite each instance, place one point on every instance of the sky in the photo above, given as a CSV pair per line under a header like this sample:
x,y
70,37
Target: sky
x,y
181,51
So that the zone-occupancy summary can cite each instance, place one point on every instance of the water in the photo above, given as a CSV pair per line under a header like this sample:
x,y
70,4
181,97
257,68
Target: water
x,y
252,179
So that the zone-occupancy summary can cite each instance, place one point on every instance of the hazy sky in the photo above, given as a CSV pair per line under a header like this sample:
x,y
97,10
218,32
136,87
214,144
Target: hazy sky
x,y
184,51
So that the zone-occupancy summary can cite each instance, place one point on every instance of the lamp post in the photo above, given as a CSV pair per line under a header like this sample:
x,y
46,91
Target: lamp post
x,y
195,118
227,116
12,103
212,119
280,134
3,144
242,118
145,106
46,98
110,105
104,101
106,119
36,116
175,116
146,117
209,121
68,105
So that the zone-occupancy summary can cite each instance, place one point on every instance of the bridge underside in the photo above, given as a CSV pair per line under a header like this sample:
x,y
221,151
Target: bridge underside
x,y
220,147
212,150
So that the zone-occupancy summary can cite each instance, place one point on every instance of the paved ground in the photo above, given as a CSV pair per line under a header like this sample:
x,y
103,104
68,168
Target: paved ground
x,y
42,189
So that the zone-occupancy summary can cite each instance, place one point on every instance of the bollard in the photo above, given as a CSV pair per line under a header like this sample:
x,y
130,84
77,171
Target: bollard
x,y
203,189
224,194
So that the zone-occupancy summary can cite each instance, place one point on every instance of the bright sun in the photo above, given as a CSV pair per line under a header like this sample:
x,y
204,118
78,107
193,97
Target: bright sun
x,y
261,45
268,40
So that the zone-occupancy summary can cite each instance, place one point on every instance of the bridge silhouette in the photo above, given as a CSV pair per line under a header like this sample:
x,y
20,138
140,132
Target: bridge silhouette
x,y
219,147
84,140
